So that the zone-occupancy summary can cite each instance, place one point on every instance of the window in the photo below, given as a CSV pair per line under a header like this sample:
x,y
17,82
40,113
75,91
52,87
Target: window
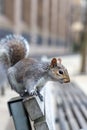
x,y
26,11
2,6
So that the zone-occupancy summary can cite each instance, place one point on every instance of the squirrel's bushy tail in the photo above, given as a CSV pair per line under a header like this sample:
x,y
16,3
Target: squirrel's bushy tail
x,y
13,48
3,75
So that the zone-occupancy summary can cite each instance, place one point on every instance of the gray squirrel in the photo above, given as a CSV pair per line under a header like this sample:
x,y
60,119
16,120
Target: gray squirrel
x,y
13,48
29,75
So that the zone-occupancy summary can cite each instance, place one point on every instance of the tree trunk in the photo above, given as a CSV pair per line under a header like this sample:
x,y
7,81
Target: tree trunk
x,y
83,51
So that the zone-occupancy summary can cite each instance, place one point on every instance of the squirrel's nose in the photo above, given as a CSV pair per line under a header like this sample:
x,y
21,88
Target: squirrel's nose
x,y
67,80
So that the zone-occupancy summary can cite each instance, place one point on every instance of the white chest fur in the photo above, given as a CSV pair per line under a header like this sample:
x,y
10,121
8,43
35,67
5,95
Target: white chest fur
x,y
41,82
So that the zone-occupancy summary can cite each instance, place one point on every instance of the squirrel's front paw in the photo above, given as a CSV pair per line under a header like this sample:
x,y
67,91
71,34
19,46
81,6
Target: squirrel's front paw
x,y
33,92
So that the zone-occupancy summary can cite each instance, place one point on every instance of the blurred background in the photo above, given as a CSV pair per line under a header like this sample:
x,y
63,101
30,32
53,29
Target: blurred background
x,y
53,28
45,23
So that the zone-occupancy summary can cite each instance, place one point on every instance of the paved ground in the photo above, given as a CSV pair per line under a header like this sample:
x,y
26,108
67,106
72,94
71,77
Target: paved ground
x,y
71,62
4,113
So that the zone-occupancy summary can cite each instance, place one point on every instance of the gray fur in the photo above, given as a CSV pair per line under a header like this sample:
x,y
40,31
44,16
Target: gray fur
x,y
32,75
6,52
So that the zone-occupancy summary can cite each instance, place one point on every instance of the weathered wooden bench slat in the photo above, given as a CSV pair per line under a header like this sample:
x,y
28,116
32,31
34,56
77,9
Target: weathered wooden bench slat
x,y
73,103
63,123
81,106
40,111
79,117
83,100
77,100
78,92
77,113
35,107
47,122
71,119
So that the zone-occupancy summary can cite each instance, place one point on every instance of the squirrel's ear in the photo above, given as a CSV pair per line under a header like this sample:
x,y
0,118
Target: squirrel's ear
x,y
59,60
53,62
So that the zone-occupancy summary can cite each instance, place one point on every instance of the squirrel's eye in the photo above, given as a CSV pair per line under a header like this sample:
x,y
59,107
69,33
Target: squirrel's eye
x,y
60,72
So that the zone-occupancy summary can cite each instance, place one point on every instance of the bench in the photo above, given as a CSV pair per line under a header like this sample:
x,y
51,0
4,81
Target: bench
x,y
31,113
71,108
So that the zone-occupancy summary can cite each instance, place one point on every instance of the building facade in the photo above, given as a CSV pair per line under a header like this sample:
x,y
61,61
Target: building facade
x,y
40,21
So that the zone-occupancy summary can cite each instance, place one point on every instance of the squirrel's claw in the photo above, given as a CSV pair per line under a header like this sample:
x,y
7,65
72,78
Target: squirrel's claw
x,y
36,93
33,92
